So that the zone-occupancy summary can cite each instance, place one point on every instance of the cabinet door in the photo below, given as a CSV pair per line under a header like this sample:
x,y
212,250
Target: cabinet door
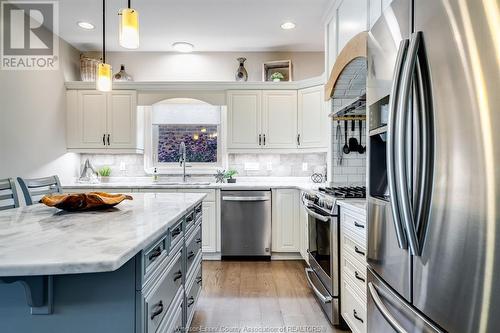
x,y
90,119
375,11
122,120
279,112
209,227
244,118
312,119
352,19
285,226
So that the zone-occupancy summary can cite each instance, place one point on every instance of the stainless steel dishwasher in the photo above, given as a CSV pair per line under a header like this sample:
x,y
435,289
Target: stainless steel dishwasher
x,y
246,224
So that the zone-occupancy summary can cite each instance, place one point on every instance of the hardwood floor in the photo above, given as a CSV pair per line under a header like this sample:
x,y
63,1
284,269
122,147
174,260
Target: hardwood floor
x,y
257,297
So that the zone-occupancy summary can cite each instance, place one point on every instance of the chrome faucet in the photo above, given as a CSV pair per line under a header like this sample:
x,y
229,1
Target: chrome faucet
x,y
182,159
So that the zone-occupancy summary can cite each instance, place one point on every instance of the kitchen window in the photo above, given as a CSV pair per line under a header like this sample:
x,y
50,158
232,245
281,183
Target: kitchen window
x,y
197,124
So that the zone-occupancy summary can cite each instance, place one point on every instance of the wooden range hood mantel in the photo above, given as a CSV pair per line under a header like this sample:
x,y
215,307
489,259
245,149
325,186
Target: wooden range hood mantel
x,y
355,48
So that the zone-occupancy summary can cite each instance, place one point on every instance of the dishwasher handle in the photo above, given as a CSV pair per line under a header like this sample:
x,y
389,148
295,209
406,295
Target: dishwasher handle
x,y
235,198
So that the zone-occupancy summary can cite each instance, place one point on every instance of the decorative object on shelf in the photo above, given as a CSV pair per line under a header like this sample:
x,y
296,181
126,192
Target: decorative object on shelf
x,y
220,176
129,27
89,173
88,68
122,75
104,174
84,201
317,178
229,175
277,77
104,70
241,73
284,67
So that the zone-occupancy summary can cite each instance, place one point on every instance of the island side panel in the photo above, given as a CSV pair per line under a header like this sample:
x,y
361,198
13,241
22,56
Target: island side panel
x,y
83,303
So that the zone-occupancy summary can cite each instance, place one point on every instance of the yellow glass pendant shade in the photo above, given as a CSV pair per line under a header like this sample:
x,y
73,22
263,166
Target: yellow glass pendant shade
x,y
129,28
104,77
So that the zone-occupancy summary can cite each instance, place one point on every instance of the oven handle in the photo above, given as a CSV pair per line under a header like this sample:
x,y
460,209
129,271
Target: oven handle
x,y
316,215
324,299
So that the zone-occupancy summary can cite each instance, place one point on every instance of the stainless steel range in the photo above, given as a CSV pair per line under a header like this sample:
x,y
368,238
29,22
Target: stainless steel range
x,y
324,245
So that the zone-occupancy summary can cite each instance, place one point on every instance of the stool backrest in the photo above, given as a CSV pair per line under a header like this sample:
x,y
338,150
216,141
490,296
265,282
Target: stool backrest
x,y
8,194
34,189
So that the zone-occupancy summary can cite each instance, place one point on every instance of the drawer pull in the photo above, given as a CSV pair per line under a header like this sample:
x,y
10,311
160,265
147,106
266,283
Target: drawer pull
x,y
176,231
157,310
177,276
358,251
199,279
155,254
189,219
355,314
190,255
356,275
190,301
356,224
198,240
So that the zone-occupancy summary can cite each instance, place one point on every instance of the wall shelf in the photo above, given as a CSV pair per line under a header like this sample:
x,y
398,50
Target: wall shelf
x,y
356,107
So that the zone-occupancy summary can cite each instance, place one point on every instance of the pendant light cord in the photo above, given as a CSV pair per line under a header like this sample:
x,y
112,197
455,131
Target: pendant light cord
x,y
103,31
129,4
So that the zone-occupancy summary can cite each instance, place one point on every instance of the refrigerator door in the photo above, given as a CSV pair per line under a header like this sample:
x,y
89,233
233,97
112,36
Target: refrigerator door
x,y
387,253
456,277
387,312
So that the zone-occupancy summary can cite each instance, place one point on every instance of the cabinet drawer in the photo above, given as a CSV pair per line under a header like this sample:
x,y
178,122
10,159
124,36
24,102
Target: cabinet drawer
x,y
356,225
190,221
193,248
198,213
353,310
151,256
192,295
352,247
174,235
160,296
172,322
355,271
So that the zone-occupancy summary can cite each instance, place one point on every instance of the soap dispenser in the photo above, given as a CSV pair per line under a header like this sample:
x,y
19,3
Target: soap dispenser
x,y
155,175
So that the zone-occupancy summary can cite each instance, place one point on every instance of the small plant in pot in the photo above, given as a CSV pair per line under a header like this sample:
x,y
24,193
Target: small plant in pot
x,y
104,174
277,77
229,175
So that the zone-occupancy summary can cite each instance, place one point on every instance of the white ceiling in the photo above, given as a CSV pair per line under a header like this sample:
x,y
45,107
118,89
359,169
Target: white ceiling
x,y
211,25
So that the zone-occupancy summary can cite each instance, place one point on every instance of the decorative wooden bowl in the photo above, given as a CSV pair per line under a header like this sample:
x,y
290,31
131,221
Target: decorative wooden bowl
x,y
84,201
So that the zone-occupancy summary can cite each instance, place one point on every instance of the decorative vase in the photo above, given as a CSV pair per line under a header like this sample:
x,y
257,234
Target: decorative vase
x,y
88,68
241,74
122,75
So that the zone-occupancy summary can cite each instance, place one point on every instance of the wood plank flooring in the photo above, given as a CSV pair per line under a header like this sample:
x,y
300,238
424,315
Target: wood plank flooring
x,y
257,297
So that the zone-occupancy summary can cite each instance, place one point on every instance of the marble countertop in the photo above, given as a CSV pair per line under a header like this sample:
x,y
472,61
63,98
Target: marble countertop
x,y
40,240
355,205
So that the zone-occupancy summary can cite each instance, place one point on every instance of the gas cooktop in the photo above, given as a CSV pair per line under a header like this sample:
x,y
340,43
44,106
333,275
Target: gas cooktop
x,y
346,192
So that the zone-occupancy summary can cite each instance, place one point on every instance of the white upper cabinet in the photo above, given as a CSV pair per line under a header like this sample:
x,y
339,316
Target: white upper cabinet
x,y
352,19
106,122
312,118
279,119
244,118
375,11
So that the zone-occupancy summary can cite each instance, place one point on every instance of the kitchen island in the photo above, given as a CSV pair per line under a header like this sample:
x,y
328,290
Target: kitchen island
x,y
133,268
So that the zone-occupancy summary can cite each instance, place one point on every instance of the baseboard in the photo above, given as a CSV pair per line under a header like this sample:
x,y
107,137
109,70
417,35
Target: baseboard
x,y
286,256
211,256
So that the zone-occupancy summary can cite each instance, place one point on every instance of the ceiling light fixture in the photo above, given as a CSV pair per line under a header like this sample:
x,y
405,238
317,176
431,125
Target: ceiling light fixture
x,y
183,47
85,25
103,82
288,26
129,28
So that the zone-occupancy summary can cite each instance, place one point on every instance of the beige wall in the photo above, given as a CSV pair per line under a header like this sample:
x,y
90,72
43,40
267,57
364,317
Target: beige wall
x,y
210,66
33,120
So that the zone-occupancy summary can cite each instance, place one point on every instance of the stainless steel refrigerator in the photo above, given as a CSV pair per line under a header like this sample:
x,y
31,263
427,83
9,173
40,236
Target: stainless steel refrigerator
x,y
433,91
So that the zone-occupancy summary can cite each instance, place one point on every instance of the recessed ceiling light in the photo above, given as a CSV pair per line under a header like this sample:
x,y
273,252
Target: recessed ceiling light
x,y
85,25
183,47
288,25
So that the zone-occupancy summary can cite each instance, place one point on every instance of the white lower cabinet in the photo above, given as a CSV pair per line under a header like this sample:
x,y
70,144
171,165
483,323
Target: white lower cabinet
x,y
353,269
285,220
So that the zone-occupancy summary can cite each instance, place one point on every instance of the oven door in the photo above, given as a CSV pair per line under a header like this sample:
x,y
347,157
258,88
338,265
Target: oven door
x,y
320,249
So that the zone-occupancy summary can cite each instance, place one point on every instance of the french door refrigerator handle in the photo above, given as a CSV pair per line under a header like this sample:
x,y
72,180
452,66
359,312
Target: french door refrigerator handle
x,y
403,47
401,152
383,309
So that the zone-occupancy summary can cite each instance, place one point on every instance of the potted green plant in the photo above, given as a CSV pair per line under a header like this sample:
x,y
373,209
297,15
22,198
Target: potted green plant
x,y
104,174
229,175
277,77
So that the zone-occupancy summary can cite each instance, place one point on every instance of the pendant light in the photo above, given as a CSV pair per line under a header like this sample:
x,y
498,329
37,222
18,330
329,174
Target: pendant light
x,y
104,70
129,28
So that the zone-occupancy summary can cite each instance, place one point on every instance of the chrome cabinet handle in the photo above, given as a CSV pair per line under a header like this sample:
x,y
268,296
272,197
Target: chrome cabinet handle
x,y
357,276
108,139
358,250
401,153
324,299
391,127
355,314
383,309
104,139
177,276
158,309
356,224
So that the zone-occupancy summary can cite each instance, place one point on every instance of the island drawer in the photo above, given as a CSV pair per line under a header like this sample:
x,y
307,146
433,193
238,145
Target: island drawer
x,y
193,248
198,211
173,319
174,235
192,295
160,295
190,221
151,255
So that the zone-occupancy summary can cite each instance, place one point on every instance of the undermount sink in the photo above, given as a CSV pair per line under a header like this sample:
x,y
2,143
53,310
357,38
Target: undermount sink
x,y
182,183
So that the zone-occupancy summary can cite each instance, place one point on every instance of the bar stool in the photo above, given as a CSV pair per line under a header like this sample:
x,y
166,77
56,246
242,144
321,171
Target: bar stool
x,y
8,194
34,189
